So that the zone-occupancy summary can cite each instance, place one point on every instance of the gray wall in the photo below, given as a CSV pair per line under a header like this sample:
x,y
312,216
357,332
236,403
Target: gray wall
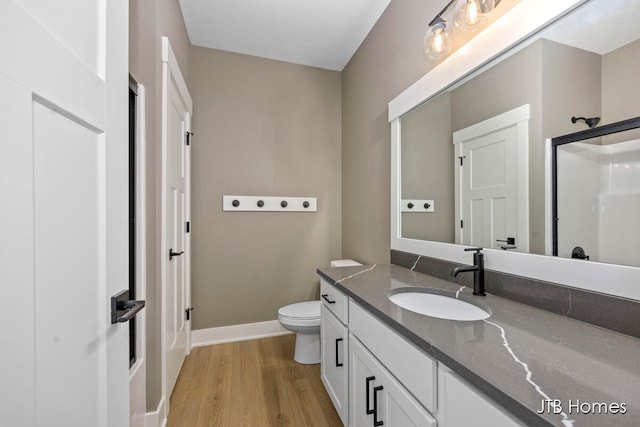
x,y
620,89
387,62
269,128
148,21
428,170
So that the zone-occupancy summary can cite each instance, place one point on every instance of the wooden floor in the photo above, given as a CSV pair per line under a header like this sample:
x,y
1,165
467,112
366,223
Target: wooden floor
x,y
250,383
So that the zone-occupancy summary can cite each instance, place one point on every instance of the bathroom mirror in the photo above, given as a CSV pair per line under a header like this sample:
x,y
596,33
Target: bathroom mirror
x,y
478,80
452,154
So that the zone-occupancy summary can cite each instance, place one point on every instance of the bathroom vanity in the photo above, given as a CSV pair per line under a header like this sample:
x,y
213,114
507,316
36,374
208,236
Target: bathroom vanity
x,y
522,366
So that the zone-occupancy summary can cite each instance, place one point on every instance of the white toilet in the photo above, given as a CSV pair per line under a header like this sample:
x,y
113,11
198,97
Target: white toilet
x,y
303,318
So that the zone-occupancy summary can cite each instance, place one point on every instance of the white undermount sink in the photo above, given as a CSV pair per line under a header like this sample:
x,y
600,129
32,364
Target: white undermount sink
x,y
436,305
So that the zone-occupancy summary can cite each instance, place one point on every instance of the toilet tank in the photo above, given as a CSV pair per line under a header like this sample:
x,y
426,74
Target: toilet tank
x,y
344,263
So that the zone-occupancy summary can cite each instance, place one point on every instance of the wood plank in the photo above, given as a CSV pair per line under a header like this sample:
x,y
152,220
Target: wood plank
x,y
251,383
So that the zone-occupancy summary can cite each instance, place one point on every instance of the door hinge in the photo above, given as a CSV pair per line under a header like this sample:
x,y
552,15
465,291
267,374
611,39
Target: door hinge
x,y
187,313
188,227
461,159
461,224
189,137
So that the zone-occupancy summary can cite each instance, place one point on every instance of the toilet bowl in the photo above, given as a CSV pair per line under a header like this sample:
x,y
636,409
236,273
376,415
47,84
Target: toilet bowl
x,y
303,318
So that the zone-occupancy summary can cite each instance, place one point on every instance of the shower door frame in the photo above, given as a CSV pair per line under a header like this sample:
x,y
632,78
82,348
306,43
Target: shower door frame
x,y
609,129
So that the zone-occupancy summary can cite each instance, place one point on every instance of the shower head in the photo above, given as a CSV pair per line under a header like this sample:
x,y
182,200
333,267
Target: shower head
x,y
591,122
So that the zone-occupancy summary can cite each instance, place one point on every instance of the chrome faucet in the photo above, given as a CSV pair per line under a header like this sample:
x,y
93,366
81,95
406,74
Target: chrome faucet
x,y
477,268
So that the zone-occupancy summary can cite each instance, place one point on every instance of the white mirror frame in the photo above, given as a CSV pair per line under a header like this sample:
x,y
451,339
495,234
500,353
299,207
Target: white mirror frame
x,y
522,21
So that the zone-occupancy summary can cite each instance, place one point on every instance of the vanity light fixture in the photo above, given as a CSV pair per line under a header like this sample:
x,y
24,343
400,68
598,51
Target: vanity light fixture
x,y
469,16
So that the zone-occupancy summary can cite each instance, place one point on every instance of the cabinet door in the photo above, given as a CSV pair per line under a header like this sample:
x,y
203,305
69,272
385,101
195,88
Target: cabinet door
x,y
334,361
399,408
377,398
363,371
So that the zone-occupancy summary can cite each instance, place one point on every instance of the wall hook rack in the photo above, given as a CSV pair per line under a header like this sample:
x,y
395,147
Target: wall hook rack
x,y
269,204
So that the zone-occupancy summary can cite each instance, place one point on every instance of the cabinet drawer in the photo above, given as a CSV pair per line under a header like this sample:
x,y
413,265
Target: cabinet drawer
x,y
334,300
416,370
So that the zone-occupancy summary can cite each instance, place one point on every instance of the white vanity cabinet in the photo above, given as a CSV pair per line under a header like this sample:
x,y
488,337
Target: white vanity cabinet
x,y
376,377
334,347
376,398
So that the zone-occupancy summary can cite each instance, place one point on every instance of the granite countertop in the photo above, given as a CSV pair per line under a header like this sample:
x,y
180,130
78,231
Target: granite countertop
x,y
519,356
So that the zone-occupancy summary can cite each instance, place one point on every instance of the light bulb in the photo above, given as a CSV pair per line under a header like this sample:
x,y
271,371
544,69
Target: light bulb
x,y
437,42
470,15
473,12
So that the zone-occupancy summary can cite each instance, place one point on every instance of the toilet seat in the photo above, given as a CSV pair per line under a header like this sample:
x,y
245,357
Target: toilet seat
x,y
301,310
300,314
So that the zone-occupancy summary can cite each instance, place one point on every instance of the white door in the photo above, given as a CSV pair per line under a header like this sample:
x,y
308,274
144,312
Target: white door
x,y
488,190
63,225
177,107
492,183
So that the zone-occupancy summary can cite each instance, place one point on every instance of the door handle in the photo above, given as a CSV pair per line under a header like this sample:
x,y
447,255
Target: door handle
x,y
508,241
376,423
338,364
172,254
123,309
326,298
368,381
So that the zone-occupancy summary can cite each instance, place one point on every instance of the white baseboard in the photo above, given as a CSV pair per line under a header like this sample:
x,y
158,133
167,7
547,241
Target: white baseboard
x,y
156,418
248,331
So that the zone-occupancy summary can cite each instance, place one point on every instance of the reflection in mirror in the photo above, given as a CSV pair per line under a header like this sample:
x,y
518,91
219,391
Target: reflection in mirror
x,y
596,191
571,69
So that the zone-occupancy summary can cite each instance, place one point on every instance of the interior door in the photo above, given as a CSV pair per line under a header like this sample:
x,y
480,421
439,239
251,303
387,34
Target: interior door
x,y
492,182
176,135
63,150
488,189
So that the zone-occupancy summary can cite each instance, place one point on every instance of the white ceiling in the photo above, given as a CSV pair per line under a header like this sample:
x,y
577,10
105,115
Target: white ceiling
x,y
599,26
323,33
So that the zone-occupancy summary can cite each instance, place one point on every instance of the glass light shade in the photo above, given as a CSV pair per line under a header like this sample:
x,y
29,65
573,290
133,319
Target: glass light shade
x,y
487,6
469,16
437,41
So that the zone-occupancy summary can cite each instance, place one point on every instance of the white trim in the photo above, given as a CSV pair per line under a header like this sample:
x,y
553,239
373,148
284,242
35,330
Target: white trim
x,y
170,71
518,117
396,182
169,58
247,331
515,25
137,373
520,22
156,418
187,236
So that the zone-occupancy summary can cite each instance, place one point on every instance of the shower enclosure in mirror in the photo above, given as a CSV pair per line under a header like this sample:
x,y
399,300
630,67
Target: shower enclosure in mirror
x,y
596,194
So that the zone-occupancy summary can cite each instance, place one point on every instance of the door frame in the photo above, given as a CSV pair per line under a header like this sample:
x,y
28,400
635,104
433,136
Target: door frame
x,y
171,71
518,117
138,372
